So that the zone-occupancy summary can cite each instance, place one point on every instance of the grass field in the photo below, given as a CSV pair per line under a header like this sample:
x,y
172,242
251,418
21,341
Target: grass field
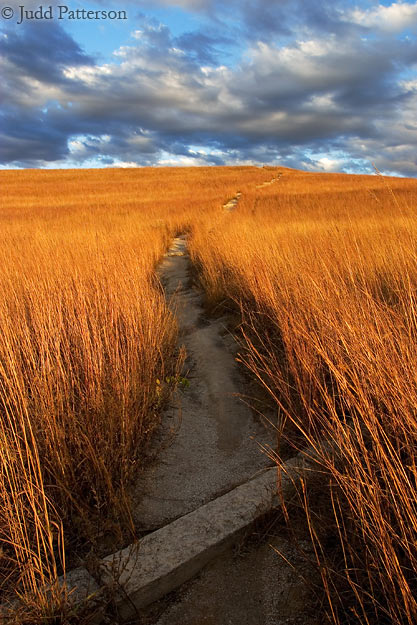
x,y
85,336
322,271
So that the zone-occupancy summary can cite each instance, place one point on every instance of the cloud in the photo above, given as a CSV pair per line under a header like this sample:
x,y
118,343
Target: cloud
x,y
393,18
41,50
332,102
32,64
203,48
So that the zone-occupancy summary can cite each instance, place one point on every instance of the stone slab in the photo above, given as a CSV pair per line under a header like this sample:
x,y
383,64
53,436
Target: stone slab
x,y
146,571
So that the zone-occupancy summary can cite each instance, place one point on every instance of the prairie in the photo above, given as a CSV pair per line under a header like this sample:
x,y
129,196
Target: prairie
x,y
86,336
320,271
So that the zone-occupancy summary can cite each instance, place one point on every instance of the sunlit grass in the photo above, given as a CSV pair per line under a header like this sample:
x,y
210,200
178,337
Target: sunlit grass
x,y
324,271
85,334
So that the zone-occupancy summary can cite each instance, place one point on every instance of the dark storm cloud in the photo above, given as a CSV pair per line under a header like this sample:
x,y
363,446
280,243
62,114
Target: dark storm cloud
x,y
32,60
32,146
41,50
291,100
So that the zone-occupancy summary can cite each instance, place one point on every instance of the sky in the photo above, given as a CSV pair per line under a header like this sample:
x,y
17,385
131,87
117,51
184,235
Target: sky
x,y
327,85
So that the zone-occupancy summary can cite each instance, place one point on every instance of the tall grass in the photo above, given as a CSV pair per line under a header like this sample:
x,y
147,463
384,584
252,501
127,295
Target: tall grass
x,y
324,271
85,333
83,336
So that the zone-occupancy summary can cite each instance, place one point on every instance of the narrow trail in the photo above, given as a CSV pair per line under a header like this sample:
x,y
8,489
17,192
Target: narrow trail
x,y
210,443
209,438
234,201
269,182
231,204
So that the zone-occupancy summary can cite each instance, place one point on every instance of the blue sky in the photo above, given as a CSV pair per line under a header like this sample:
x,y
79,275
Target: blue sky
x,y
323,86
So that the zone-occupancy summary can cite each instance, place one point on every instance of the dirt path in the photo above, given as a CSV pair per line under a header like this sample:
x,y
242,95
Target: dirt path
x,y
234,201
253,586
231,204
209,438
211,443
268,182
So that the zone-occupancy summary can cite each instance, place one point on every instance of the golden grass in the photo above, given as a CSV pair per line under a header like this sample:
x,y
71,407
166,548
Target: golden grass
x,y
85,333
324,270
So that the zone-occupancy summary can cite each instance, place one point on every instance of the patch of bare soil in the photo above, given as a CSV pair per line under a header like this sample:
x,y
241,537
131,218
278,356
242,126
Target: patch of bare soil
x,y
231,204
254,588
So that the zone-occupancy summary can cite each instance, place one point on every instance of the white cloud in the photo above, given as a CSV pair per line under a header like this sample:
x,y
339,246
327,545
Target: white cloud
x,y
90,75
330,164
393,18
173,160
156,100
125,164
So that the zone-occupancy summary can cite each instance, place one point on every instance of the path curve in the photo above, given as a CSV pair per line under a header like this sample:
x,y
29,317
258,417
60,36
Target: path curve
x,y
234,201
269,182
231,204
